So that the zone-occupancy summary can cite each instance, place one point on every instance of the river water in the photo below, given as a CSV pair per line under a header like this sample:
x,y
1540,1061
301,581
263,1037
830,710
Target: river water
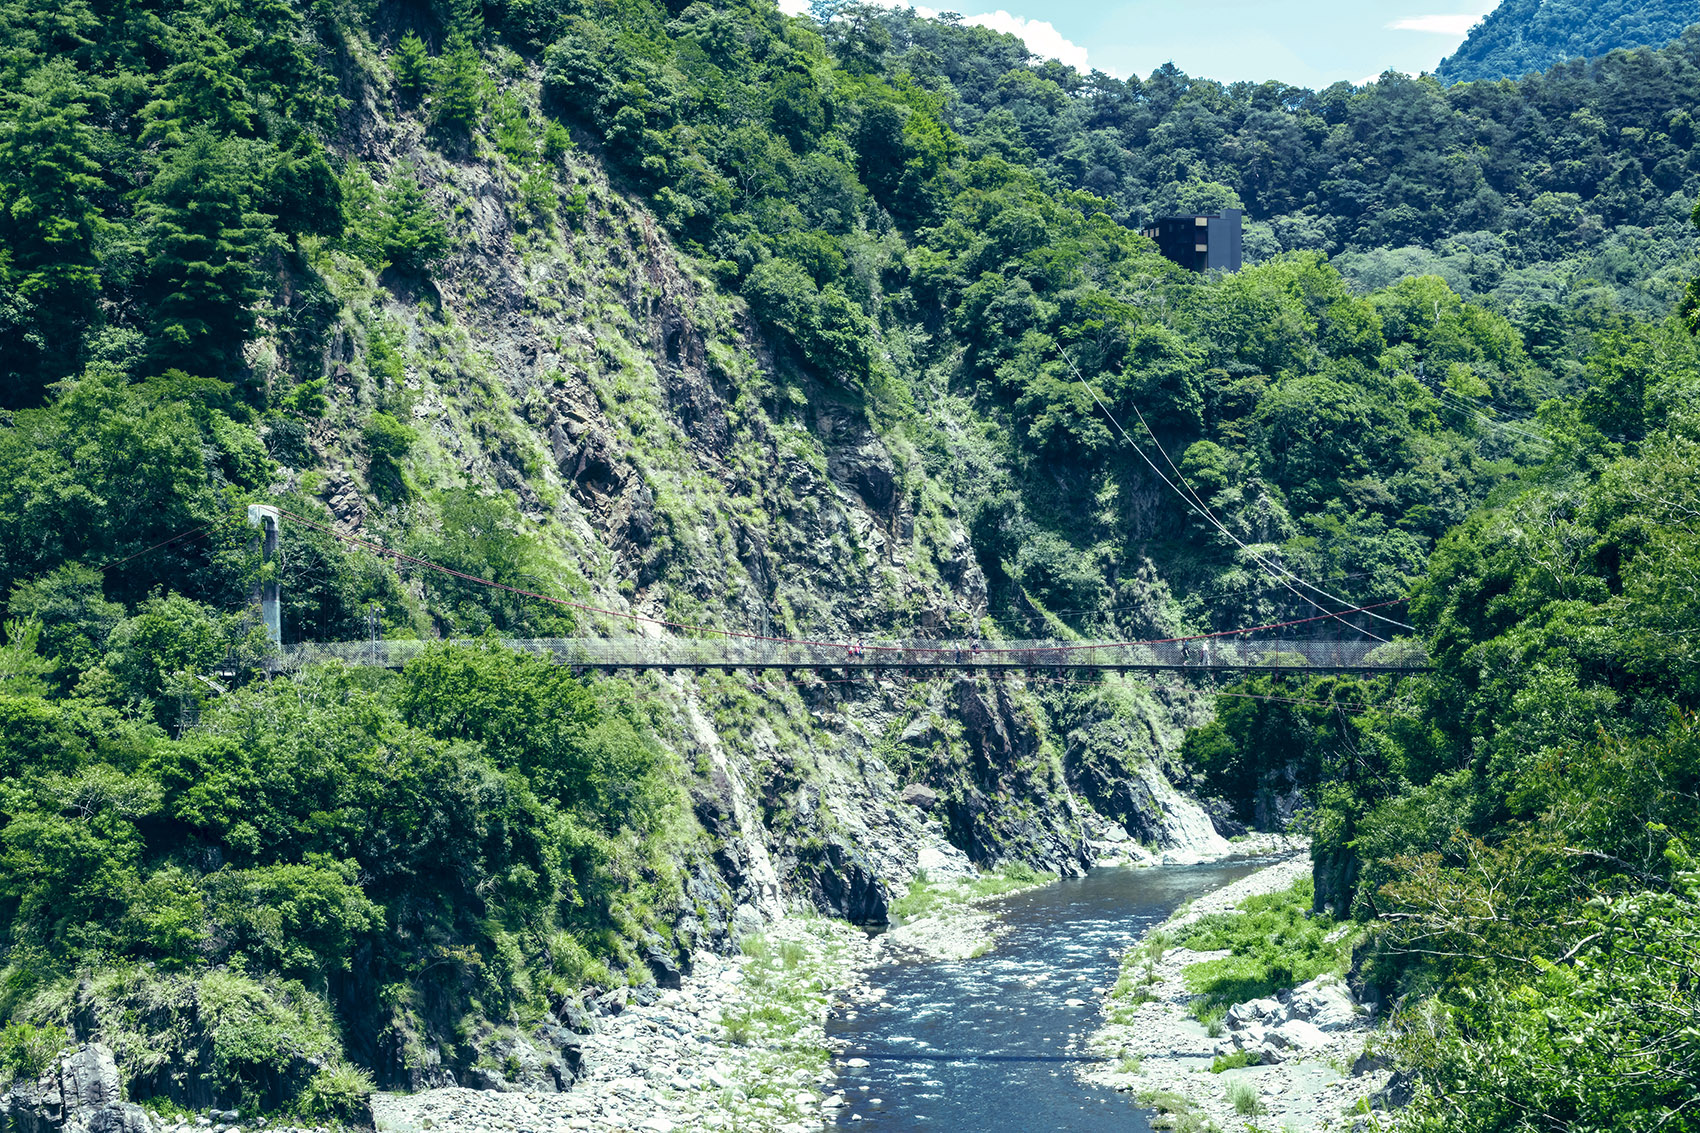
x,y
989,1045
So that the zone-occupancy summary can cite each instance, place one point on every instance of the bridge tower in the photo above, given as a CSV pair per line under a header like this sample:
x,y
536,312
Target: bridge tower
x,y
269,592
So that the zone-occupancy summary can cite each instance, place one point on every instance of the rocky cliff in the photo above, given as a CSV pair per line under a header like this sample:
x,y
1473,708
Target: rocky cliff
x,y
685,469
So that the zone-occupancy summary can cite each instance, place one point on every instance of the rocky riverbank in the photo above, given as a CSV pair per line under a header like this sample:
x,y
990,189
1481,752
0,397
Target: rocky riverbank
x,y
739,1045
1310,1072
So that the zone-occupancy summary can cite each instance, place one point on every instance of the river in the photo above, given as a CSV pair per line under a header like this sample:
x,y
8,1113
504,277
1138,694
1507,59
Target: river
x,y
988,1045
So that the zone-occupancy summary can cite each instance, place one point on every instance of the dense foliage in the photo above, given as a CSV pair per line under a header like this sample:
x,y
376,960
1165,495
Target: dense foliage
x,y
1517,824
481,835
1521,37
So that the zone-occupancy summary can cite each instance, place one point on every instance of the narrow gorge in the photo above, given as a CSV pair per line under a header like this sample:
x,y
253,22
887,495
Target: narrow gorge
x,y
1289,715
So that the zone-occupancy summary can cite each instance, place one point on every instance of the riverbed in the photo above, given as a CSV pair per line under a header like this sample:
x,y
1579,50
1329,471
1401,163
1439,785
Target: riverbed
x,y
991,1043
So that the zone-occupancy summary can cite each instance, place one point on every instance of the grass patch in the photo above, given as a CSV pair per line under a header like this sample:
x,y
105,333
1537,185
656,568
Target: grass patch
x,y
926,897
1211,1015
1174,1113
25,1051
1243,1097
1139,970
1238,1060
1273,945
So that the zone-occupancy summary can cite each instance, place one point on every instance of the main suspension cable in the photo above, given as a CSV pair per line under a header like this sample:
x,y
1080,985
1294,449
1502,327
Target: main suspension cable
x,y
1275,571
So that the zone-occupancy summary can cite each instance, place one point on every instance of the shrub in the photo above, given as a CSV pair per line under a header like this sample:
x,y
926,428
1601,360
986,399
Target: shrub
x,y
25,1050
1243,1097
338,1093
388,442
740,1031
1238,1060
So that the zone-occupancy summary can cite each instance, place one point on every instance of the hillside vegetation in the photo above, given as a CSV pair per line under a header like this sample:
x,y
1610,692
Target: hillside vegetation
x,y
1521,37
744,321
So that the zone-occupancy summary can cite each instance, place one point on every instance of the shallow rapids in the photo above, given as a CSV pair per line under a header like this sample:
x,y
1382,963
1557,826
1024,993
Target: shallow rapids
x,y
989,1045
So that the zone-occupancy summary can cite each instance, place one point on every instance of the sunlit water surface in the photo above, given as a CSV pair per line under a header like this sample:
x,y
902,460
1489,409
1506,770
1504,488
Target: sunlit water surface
x,y
990,1045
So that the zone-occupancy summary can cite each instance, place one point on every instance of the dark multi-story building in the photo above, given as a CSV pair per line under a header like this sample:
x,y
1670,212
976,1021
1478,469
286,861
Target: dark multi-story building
x,y
1200,243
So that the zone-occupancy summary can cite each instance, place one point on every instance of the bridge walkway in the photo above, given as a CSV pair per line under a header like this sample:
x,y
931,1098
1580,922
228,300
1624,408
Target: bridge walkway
x,y
670,654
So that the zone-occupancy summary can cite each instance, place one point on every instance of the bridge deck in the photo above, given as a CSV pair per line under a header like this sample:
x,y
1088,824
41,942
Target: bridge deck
x,y
720,654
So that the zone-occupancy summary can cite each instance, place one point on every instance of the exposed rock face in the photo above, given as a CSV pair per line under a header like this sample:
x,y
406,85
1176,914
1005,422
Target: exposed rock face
x,y
918,795
844,882
1159,816
1221,813
1276,809
662,966
80,1092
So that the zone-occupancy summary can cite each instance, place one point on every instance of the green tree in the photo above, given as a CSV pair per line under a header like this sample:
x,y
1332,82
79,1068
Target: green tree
x,y
414,69
69,855
49,222
461,87
169,644
538,719
412,236
201,90
22,667
76,620
301,920
303,192
105,440
204,239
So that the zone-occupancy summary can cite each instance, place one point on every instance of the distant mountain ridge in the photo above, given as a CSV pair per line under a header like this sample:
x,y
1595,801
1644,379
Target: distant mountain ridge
x,y
1524,36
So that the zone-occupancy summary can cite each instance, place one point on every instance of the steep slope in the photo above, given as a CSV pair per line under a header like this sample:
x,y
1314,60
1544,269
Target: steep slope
x,y
1521,37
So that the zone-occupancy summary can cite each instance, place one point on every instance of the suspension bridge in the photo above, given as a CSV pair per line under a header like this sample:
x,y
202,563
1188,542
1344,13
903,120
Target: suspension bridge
x,y
670,647
915,658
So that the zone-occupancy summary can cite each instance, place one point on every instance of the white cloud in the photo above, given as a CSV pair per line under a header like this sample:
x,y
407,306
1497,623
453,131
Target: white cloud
x,y
1439,25
1041,36
921,10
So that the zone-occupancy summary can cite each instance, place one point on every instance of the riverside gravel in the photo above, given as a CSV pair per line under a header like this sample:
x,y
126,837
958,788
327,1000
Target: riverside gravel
x,y
1157,1051
741,1045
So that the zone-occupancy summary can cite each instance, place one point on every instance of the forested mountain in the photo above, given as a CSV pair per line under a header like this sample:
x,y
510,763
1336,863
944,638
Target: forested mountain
x,y
1521,37
737,321
1562,187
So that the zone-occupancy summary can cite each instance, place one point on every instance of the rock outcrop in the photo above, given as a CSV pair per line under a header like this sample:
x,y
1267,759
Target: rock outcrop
x,y
1295,1022
79,1092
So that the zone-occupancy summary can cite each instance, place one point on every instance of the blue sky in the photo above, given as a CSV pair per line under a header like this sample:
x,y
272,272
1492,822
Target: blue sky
x,y
1308,42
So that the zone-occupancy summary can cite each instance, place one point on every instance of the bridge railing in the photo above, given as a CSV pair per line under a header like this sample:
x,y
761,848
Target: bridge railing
x,y
741,653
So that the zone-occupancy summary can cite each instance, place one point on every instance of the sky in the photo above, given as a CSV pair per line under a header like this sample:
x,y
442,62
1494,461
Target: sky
x,y
1306,42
